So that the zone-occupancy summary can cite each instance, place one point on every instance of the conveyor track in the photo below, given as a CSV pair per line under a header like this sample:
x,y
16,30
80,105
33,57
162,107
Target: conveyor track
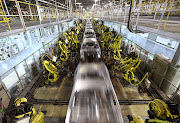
x,y
66,102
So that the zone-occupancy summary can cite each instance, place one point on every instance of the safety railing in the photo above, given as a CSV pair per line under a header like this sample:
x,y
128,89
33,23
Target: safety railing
x,y
12,45
29,14
17,78
161,72
164,75
168,46
155,14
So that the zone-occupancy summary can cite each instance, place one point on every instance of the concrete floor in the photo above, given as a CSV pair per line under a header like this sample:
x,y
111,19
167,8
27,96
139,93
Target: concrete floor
x,y
62,91
170,27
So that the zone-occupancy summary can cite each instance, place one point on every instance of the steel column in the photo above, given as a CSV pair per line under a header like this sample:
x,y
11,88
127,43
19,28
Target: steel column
x,y
156,7
20,15
138,12
30,11
162,16
6,7
49,15
176,57
39,12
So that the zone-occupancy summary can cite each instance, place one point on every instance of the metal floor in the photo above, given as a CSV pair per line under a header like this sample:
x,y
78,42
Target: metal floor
x,y
17,24
149,21
61,91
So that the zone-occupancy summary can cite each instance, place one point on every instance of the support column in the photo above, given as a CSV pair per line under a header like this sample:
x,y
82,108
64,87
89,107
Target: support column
x,y
49,16
20,15
70,7
30,12
6,7
139,8
125,13
57,18
162,16
39,12
149,7
176,57
156,8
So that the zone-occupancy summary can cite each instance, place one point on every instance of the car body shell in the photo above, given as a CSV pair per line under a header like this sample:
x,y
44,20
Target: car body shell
x,y
90,46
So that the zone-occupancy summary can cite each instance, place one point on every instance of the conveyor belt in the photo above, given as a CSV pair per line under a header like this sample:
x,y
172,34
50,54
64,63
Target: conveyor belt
x,y
66,102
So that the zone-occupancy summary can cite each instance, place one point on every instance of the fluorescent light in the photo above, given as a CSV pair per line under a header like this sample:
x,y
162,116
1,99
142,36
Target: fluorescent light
x,y
78,3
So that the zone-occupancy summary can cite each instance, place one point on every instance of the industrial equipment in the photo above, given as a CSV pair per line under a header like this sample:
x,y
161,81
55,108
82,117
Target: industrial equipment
x,y
89,33
159,111
49,69
93,90
137,119
90,48
92,84
22,111
64,56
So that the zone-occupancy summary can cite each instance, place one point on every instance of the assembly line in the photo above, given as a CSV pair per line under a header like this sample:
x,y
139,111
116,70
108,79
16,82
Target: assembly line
x,y
88,53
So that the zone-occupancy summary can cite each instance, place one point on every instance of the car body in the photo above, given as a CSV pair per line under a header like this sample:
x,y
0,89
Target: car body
x,y
90,47
92,96
89,33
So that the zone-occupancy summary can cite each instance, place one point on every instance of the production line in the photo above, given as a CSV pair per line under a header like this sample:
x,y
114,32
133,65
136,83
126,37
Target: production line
x,y
88,52
89,61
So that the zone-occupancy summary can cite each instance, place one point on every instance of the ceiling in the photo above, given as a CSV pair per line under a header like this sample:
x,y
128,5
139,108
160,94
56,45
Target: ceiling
x,y
87,4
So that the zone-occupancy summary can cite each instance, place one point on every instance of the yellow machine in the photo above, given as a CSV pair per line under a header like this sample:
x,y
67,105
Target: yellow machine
x,y
106,37
78,27
161,112
115,47
128,67
64,56
79,24
112,40
137,119
23,108
38,118
71,37
74,39
53,74
68,38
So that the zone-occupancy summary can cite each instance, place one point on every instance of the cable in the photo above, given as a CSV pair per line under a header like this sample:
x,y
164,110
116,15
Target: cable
x,y
138,82
2,107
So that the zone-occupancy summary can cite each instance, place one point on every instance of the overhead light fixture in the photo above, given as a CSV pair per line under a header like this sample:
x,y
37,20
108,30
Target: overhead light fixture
x,y
78,3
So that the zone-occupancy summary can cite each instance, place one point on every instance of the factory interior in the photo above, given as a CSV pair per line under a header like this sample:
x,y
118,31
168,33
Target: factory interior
x,y
89,61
